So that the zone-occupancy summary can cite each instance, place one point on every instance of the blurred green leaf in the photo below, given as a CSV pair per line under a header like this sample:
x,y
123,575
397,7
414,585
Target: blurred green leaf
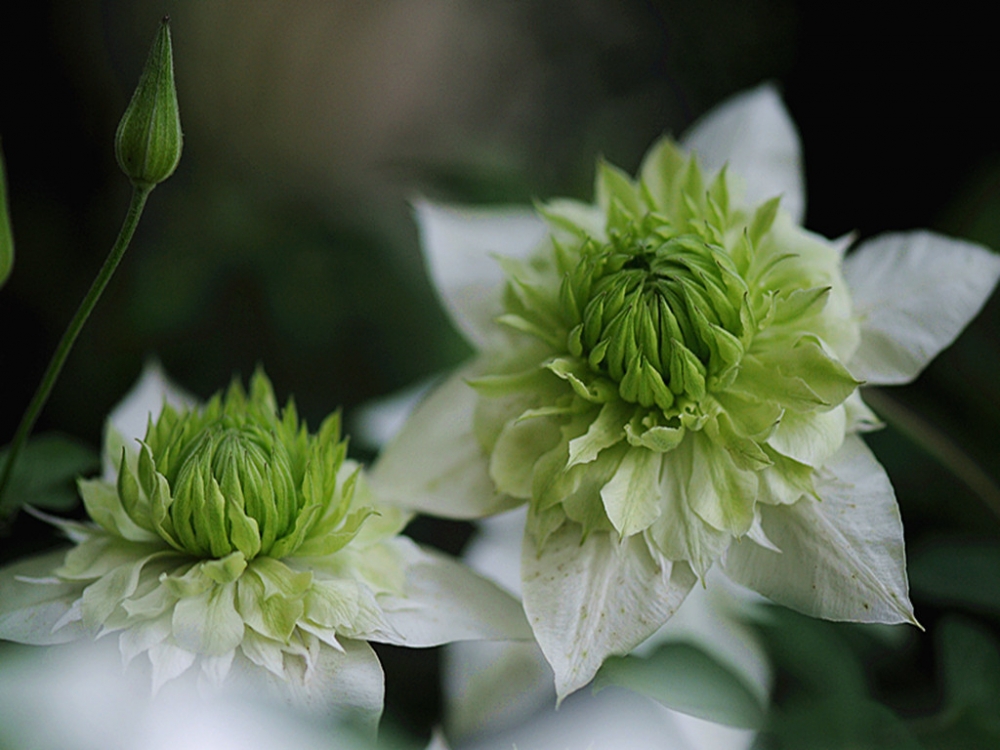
x,y
970,666
834,723
812,653
46,472
959,573
6,236
823,696
685,678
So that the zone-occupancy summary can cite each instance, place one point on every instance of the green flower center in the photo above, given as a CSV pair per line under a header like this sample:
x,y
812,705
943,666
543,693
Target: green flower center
x,y
238,477
661,316
242,466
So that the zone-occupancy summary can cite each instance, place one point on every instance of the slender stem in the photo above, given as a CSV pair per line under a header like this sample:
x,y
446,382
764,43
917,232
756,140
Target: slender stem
x,y
139,195
938,444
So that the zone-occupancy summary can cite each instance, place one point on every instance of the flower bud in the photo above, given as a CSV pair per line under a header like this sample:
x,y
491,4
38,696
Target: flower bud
x,y
148,142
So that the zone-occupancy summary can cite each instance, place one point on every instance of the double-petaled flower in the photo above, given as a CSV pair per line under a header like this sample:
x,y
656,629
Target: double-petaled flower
x,y
232,538
668,378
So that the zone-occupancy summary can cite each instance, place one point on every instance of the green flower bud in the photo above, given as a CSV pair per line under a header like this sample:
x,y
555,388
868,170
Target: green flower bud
x,y
149,140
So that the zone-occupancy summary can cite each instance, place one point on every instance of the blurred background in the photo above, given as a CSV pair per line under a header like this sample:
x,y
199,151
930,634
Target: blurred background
x,y
285,238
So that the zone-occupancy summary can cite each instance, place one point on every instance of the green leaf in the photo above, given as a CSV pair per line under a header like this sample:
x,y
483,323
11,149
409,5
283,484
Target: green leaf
x,y
971,663
6,235
970,671
958,573
683,677
45,473
826,702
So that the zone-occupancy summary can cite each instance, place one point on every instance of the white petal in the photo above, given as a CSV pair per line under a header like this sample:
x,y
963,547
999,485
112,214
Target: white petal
x,y
755,135
445,601
616,719
495,549
30,612
435,464
492,685
169,662
128,420
348,682
457,244
715,618
588,600
378,421
914,292
842,558
810,438
209,623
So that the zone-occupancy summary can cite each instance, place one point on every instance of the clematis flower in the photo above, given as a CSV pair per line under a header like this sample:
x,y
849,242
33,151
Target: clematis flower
x,y
668,379
232,538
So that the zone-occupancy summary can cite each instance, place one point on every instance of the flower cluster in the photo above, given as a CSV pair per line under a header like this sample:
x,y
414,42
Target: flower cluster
x,y
668,378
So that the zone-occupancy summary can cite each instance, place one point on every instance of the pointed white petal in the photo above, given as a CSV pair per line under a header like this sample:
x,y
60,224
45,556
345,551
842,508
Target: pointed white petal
x,y
753,133
457,244
128,420
914,293
842,558
445,601
591,599
169,662
31,612
435,464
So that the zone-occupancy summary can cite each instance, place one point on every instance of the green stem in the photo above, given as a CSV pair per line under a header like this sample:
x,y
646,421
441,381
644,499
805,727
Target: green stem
x,y
938,444
139,195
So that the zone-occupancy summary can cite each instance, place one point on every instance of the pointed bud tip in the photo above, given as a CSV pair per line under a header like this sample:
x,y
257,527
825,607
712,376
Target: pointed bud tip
x,y
149,139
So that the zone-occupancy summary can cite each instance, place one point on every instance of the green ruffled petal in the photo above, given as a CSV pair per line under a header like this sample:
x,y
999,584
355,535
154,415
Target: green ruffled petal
x,y
632,498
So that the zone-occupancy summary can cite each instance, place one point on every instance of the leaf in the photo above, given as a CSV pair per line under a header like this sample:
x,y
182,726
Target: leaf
x,y
970,670
45,473
685,678
829,705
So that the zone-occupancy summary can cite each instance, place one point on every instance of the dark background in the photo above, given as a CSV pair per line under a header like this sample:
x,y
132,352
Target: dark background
x,y
285,239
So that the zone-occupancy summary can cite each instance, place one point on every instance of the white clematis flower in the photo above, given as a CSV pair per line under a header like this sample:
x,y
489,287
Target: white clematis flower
x,y
668,378
231,538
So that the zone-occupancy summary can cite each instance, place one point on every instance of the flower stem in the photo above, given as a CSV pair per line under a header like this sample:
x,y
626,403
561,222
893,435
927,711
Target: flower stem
x,y
139,195
938,445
